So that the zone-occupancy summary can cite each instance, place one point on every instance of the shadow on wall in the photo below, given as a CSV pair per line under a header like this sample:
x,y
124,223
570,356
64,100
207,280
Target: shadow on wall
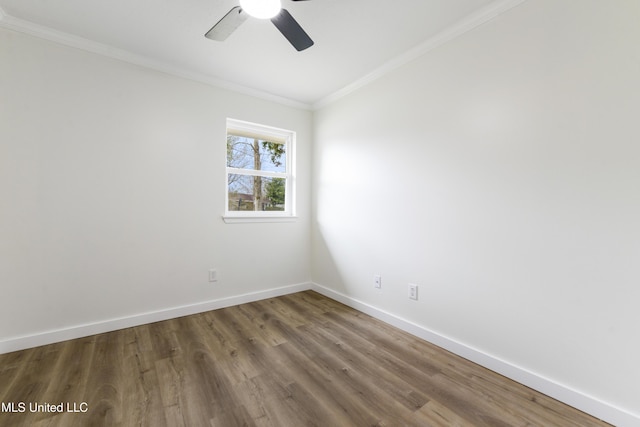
x,y
325,269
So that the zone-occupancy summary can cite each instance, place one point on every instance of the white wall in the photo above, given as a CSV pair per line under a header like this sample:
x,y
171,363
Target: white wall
x,y
112,191
501,173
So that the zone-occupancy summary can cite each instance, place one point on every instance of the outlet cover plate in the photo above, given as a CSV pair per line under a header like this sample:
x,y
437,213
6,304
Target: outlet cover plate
x,y
377,281
413,291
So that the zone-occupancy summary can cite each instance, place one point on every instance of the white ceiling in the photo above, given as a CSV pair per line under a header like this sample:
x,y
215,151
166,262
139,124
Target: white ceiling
x,y
355,40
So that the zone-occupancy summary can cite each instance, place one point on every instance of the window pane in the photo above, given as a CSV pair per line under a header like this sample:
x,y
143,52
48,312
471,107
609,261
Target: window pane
x,y
256,193
256,154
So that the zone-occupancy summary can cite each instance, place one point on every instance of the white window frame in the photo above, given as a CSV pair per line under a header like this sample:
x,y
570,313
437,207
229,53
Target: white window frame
x,y
269,133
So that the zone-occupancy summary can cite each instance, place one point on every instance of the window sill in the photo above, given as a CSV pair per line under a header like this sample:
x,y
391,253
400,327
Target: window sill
x,y
266,218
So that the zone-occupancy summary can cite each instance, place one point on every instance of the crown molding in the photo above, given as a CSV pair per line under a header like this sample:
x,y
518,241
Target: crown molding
x,y
23,26
463,26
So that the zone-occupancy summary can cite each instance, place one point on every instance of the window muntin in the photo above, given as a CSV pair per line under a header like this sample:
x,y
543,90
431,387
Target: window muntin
x,y
260,171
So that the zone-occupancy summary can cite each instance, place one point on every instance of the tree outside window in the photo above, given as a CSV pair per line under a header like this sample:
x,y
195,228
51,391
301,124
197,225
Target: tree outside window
x,y
258,170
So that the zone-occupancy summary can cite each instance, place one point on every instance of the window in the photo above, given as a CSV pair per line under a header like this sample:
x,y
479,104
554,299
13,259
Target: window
x,y
260,172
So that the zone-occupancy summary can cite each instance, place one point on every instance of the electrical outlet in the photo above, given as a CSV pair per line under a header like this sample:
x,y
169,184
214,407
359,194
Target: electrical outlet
x,y
377,281
413,291
213,275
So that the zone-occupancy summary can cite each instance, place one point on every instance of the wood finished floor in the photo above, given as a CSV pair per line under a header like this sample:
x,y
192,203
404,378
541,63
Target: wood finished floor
x,y
296,360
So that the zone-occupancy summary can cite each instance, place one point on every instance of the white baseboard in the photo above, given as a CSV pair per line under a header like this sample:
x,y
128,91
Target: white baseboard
x,y
590,405
602,410
58,335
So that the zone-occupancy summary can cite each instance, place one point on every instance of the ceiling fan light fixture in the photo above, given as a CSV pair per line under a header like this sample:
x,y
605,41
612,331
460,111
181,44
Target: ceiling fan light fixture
x,y
261,9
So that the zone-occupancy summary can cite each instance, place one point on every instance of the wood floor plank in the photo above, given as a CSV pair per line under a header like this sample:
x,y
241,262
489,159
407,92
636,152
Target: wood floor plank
x,y
172,390
260,319
434,414
103,387
145,406
279,307
297,360
313,380
349,379
392,387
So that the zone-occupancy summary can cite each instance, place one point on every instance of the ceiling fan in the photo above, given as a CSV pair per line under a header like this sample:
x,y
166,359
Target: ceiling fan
x,y
261,9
